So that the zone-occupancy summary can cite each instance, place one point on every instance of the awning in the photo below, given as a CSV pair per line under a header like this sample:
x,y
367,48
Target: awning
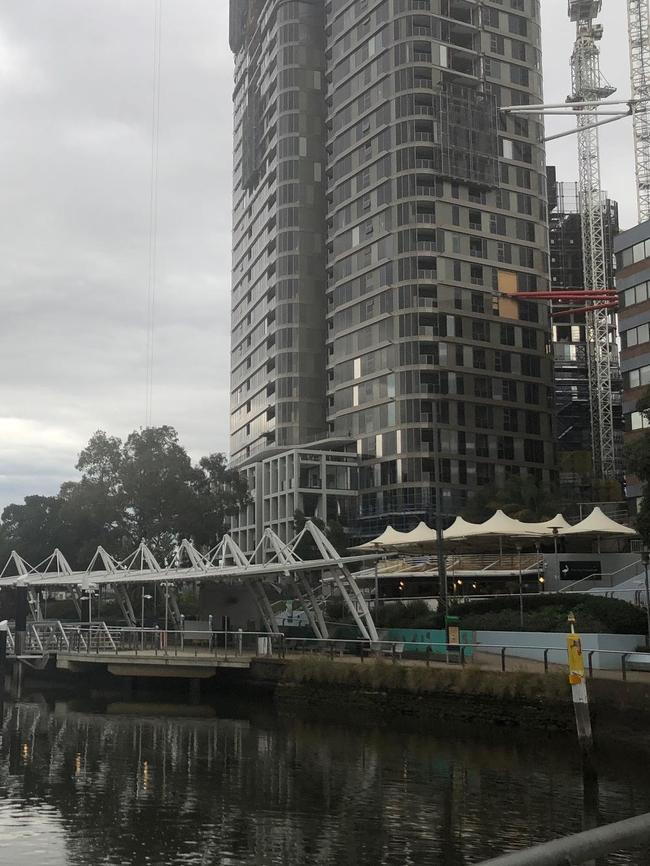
x,y
598,524
389,538
500,527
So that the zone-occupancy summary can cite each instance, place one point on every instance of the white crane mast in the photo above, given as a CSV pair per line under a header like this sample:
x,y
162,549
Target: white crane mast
x,y
588,87
638,14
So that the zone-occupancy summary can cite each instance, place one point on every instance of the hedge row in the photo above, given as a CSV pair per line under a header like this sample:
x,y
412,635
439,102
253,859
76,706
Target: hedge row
x,y
543,612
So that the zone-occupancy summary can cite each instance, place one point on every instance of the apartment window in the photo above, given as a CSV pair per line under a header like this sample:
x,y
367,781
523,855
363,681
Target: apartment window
x,y
533,424
533,451
480,362
505,448
484,417
531,394
481,331
510,420
509,390
482,445
478,302
529,338
482,387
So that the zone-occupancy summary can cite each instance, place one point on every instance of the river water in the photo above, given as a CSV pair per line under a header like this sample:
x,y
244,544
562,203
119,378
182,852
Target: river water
x,y
135,784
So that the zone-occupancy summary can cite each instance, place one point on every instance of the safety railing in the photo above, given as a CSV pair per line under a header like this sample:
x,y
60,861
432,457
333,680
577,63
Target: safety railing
x,y
462,654
583,847
599,575
38,639
101,639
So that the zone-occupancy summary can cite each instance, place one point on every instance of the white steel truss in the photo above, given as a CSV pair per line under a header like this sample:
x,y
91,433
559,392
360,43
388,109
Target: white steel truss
x,y
638,12
281,565
588,86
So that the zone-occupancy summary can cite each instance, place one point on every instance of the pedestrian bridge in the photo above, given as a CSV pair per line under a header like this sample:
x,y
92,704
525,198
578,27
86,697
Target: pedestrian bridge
x,y
274,563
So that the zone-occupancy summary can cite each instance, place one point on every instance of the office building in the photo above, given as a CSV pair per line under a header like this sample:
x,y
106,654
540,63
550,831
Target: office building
x,y
386,216
319,481
633,285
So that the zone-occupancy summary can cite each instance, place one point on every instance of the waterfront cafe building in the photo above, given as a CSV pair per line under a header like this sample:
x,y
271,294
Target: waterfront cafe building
x,y
596,554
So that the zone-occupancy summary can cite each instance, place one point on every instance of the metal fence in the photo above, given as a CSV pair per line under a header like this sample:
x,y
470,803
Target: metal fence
x,y
52,638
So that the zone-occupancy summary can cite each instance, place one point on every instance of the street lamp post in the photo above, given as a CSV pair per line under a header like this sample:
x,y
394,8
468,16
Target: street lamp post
x,y
166,608
556,531
521,590
646,561
443,593
144,596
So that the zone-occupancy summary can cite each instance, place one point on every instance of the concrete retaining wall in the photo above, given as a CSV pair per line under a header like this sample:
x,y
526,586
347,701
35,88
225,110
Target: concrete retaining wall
x,y
531,646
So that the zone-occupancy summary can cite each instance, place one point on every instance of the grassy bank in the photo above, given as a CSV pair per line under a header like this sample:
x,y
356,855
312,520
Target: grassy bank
x,y
381,675
379,692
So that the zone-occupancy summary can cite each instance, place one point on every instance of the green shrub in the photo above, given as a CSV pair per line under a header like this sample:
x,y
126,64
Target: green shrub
x,y
542,612
548,612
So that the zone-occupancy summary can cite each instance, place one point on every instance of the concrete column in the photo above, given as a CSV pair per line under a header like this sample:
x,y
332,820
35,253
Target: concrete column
x,y
195,691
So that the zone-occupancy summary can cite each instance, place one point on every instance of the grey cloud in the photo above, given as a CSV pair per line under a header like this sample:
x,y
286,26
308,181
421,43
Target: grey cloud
x,y
75,96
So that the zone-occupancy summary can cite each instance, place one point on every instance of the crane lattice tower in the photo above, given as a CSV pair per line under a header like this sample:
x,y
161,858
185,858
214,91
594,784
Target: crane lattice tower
x,y
638,13
588,86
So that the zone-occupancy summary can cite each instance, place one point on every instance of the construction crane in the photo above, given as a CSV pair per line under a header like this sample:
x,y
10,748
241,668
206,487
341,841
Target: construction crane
x,y
589,103
638,14
588,87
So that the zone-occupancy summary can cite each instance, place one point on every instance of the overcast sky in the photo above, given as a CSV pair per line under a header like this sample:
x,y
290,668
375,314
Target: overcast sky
x,y
75,158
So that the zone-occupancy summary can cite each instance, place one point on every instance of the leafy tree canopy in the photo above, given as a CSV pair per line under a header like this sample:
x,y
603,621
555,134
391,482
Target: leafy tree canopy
x,y
521,499
333,530
143,488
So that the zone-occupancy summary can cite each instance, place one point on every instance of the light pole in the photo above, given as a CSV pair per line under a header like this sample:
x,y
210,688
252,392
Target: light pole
x,y
376,593
646,560
443,593
89,599
144,596
556,531
521,590
166,608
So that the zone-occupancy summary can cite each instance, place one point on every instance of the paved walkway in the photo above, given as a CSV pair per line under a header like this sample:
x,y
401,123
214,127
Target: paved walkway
x,y
202,658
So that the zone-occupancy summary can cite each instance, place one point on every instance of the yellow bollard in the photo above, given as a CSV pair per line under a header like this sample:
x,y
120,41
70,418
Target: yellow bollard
x,y
579,687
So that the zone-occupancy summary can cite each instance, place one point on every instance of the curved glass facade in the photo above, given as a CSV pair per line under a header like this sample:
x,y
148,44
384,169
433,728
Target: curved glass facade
x,y
434,218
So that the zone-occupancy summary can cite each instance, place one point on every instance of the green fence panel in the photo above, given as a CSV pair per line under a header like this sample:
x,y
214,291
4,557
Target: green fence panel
x,y
416,640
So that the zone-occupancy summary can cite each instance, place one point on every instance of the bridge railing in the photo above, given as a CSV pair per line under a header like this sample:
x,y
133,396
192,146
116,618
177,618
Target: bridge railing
x,y
99,638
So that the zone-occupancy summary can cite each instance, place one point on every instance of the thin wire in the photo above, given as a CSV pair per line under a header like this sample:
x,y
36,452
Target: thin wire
x,y
153,213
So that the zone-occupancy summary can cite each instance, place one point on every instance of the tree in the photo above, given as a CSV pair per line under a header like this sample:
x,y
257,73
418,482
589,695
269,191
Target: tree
x,y
143,488
334,531
521,499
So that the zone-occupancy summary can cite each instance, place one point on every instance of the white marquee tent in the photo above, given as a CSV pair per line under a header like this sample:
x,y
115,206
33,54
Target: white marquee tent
x,y
500,527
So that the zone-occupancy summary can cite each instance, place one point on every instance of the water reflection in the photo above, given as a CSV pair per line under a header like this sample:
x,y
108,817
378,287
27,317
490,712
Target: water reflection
x,y
123,787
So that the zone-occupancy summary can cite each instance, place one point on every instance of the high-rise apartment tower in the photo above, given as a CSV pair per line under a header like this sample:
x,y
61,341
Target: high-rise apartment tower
x,y
386,216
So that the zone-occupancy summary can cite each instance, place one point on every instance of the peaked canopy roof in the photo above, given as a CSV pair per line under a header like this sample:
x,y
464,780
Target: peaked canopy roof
x,y
389,538
598,523
499,526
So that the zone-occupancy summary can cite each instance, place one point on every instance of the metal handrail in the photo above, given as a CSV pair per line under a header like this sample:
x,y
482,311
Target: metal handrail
x,y
601,574
129,639
583,846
